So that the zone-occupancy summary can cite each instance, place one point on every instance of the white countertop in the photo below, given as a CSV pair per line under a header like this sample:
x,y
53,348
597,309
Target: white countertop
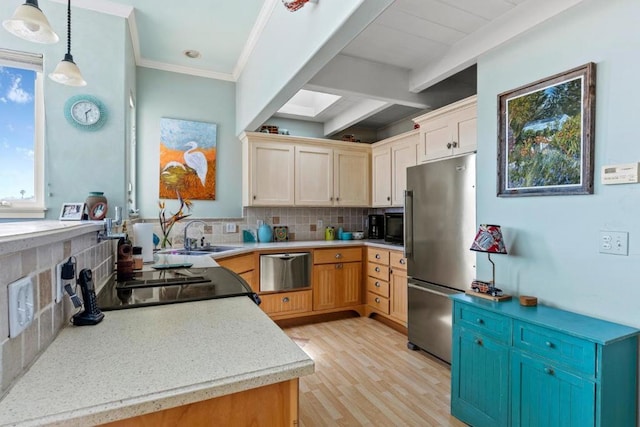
x,y
148,359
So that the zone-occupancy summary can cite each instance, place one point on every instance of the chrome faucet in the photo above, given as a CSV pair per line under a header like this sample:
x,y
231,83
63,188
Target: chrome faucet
x,y
108,233
187,241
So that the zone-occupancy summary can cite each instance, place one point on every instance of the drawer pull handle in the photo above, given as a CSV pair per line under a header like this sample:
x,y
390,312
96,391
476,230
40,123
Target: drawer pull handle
x,y
479,321
403,261
338,255
377,284
338,266
285,299
478,341
548,371
377,300
378,256
549,344
377,269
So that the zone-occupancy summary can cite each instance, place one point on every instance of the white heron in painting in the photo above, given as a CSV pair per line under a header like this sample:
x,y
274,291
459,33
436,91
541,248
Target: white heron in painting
x,y
196,160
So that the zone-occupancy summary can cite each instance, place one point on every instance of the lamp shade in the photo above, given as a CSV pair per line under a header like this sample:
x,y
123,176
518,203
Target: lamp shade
x,y
489,239
67,73
29,23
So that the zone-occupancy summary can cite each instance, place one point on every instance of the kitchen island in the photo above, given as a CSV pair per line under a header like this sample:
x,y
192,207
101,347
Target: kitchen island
x,y
149,360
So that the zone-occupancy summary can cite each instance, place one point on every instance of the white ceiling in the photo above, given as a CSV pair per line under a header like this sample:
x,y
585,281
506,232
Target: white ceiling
x,y
404,63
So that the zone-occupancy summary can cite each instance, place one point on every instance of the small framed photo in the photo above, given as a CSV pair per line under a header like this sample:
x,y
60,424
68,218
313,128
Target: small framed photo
x,y
71,211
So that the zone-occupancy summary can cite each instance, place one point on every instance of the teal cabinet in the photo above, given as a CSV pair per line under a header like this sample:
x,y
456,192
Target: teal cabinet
x,y
540,367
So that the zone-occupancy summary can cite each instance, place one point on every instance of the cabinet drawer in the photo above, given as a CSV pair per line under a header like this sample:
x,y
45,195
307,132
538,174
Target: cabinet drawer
x,y
483,321
379,256
379,303
378,271
570,351
397,261
378,286
333,255
286,302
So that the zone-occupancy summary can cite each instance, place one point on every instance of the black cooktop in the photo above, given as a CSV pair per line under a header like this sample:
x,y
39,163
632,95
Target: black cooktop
x,y
158,287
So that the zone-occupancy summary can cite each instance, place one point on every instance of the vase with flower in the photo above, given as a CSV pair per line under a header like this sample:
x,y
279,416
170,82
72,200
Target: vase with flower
x,y
166,224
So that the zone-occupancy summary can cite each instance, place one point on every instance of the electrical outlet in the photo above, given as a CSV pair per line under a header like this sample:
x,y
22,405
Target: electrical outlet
x,y
614,242
230,227
320,224
59,283
20,305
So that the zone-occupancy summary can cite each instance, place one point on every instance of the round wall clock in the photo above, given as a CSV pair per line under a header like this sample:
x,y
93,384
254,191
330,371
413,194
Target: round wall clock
x,y
85,112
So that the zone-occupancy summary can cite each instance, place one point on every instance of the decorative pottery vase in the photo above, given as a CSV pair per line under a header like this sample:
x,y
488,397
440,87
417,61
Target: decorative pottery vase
x,y
265,234
96,205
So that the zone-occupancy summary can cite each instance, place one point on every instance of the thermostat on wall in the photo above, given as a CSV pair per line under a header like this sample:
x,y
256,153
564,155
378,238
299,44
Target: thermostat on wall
x,y
620,174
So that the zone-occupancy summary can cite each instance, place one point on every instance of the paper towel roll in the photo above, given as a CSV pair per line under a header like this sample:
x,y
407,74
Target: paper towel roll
x,y
143,236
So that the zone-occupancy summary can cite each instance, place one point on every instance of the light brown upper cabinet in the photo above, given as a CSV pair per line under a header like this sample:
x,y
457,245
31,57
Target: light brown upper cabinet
x,y
390,159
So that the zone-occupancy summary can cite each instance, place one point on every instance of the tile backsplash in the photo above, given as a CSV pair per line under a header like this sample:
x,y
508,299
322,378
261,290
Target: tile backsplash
x,y
39,262
303,223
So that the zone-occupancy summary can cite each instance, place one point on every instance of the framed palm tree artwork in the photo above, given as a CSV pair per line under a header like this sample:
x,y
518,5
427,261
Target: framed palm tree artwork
x,y
187,159
546,135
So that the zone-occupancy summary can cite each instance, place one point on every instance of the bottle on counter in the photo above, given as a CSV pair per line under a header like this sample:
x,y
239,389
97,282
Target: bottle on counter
x,y
137,258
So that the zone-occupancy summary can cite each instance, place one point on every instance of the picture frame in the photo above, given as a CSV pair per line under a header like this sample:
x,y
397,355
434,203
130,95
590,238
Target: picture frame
x,y
71,211
546,135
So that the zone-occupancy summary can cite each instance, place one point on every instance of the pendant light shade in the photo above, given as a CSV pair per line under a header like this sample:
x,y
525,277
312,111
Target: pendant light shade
x,y
67,72
29,23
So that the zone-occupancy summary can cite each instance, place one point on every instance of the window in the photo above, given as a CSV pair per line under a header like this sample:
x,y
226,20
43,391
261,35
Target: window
x,y
21,135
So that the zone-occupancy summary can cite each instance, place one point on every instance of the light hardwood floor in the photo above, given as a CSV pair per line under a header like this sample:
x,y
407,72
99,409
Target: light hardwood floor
x,y
366,376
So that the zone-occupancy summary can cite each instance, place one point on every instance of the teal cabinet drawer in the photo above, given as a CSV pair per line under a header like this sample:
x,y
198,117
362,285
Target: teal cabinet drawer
x,y
485,322
560,348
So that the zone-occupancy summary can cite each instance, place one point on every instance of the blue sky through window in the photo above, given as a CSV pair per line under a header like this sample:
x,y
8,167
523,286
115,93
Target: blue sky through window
x,y
17,124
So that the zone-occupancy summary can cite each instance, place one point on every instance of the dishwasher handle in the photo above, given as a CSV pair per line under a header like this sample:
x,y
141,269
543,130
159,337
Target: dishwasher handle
x,y
433,291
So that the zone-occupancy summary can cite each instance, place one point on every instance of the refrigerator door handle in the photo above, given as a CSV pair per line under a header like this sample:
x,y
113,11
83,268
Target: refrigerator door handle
x,y
408,224
431,291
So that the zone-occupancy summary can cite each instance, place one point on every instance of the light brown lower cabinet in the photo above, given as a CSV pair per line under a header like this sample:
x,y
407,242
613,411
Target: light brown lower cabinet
x,y
270,405
336,285
387,284
245,266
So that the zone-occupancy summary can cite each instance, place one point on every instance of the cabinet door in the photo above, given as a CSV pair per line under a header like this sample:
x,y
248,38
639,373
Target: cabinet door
x,y
402,156
436,139
272,181
546,395
351,178
479,379
466,129
337,285
381,174
314,176
398,305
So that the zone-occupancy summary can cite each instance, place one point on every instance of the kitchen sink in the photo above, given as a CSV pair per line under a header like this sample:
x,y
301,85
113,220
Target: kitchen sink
x,y
205,250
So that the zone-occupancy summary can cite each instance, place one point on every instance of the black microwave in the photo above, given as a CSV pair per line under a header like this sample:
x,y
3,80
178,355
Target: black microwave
x,y
394,228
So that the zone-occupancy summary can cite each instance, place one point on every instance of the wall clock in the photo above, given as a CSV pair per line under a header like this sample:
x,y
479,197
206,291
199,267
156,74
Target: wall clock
x,y
85,112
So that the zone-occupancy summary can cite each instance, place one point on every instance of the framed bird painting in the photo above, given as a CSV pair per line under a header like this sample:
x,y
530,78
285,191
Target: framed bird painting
x,y
187,159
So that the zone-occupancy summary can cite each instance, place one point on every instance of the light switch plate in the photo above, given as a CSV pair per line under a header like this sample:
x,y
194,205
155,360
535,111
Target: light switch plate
x,y
20,305
614,242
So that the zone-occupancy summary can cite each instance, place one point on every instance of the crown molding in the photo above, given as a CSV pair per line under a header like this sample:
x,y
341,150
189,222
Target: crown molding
x,y
185,70
263,17
102,6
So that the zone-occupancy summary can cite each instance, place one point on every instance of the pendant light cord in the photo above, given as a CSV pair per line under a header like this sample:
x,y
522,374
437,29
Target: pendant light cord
x,y
69,27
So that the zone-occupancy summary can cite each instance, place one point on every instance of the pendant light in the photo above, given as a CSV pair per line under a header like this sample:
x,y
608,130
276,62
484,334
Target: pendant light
x,y
29,23
67,72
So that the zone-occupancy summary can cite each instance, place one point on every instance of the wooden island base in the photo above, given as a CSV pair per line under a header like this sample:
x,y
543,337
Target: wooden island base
x,y
271,405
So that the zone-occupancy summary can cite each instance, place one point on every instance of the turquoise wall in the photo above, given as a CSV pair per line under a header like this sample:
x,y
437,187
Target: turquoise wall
x,y
180,96
77,162
553,240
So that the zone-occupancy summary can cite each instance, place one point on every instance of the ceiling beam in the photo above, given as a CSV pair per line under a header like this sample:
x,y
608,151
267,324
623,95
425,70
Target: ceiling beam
x,y
347,75
466,52
353,115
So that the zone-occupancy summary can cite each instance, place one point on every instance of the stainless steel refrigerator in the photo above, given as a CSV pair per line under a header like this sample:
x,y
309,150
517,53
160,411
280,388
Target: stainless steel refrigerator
x,y
440,218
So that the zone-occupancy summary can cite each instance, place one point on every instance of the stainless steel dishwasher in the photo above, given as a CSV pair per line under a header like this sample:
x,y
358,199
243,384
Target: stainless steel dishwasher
x,y
285,271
